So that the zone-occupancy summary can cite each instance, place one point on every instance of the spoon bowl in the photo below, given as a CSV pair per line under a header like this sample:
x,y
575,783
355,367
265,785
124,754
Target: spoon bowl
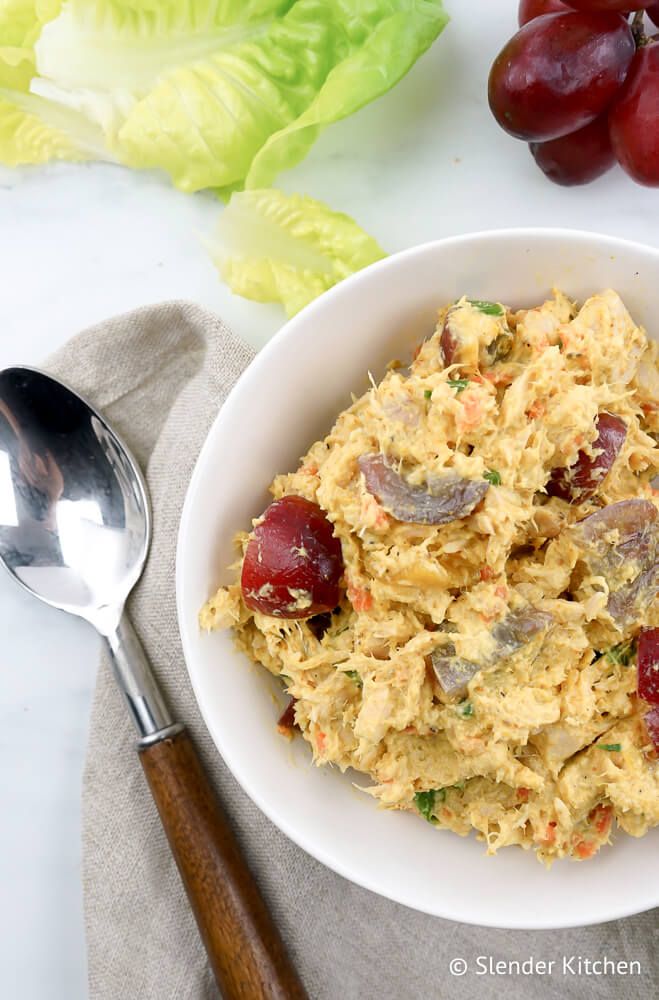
x,y
75,522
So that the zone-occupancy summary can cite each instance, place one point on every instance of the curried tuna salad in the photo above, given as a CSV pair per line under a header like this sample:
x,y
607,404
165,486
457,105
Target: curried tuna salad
x,y
458,585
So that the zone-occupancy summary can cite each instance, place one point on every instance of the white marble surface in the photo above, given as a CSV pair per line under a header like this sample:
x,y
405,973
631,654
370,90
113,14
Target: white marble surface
x,y
78,243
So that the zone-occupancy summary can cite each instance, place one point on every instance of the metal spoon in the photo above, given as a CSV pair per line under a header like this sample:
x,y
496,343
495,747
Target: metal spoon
x,y
75,529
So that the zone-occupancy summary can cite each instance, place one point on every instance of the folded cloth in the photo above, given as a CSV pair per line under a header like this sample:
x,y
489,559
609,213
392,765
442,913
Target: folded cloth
x,y
160,375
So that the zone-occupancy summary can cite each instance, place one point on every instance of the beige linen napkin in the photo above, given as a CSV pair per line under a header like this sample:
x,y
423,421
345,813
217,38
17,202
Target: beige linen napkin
x,y
160,374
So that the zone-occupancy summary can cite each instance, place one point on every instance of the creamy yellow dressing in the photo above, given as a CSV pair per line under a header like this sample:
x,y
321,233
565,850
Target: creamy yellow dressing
x,y
518,755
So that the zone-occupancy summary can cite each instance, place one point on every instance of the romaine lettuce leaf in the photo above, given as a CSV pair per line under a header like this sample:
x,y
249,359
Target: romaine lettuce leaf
x,y
101,57
21,22
24,137
383,49
87,62
219,93
206,122
273,247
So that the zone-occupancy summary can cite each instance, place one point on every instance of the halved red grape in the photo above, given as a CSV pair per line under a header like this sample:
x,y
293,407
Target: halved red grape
x,y
443,499
286,720
651,720
293,562
460,341
577,158
648,665
530,9
576,483
559,72
621,543
621,6
634,118
631,520
448,343
653,13
509,635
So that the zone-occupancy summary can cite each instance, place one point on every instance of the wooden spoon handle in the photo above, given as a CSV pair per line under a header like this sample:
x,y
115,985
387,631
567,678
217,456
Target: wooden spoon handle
x,y
244,947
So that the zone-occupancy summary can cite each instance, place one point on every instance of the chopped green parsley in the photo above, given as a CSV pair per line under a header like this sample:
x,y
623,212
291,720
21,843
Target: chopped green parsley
x,y
489,308
620,655
493,477
426,801
459,384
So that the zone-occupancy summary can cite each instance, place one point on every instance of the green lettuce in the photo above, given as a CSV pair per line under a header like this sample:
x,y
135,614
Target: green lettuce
x,y
18,21
273,247
383,43
250,111
99,59
221,94
24,137
218,93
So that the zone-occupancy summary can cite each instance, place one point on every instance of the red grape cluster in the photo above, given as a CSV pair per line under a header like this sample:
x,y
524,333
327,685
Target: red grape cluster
x,y
580,84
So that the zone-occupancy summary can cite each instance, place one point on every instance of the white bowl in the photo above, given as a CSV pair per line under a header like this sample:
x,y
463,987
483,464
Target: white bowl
x,y
288,397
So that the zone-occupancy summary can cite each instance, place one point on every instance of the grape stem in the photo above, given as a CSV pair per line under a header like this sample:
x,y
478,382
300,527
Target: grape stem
x,y
638,30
